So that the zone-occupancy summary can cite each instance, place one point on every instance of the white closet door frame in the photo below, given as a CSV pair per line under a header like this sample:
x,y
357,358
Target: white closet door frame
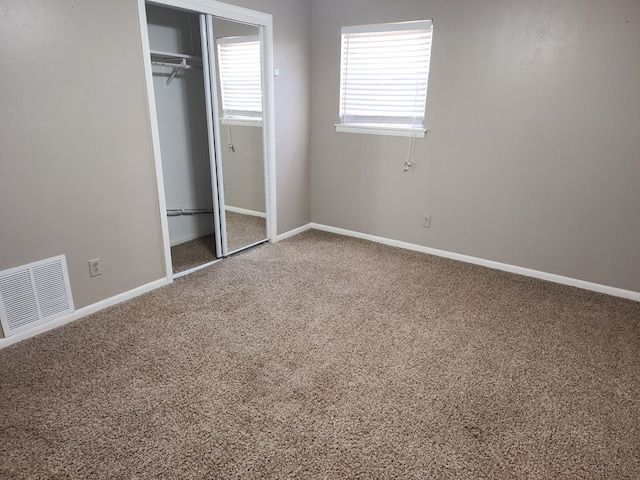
x,y
213,134
213,115
237,14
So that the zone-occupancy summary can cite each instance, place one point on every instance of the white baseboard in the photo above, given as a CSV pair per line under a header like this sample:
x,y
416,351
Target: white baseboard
x,y
187,238
551,277
82,312
293,232
195,269
244,211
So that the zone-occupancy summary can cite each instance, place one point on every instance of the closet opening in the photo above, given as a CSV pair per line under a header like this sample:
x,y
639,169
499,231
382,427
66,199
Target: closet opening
x,y
179,89
212,124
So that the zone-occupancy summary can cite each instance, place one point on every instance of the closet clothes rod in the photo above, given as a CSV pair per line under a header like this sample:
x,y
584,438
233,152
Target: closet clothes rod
x,y
176,68
165,59
177,212
172,65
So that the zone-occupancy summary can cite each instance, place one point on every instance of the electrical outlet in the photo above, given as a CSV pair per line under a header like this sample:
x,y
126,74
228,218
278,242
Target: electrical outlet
x,y
427,221
95,268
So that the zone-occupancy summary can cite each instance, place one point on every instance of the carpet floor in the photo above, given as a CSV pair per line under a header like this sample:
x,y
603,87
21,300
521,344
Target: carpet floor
x,y
242,230
193,253
329,357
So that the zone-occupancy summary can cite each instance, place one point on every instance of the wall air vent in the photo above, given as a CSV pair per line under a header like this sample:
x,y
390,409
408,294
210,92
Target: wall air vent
x,y
33,294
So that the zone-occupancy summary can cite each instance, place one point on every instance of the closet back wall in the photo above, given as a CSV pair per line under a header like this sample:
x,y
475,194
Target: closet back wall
x,y
76,164
182,123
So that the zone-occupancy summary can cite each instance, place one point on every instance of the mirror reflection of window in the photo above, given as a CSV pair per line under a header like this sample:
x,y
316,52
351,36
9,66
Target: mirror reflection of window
x,y
238,52
240,79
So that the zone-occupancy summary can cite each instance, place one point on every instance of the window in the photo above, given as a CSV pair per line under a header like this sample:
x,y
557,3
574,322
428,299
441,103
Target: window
x,y
240,79
383,78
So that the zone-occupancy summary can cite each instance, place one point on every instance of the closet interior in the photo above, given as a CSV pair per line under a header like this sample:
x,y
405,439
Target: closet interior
x,y
208,82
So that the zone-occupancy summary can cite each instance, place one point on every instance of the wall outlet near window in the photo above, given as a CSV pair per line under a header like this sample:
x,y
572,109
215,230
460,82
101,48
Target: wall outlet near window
x,y
95,268
427,221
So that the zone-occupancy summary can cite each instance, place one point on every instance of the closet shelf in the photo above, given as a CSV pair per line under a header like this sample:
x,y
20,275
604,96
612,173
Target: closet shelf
x,y
174,56
177,61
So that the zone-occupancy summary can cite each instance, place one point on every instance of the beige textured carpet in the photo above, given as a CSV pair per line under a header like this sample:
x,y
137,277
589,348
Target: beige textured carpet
x,y
193,253
328,357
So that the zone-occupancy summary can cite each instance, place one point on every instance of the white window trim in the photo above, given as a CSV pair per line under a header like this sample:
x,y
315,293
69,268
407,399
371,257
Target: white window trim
x,y
381,130
386,27
416,131
241,121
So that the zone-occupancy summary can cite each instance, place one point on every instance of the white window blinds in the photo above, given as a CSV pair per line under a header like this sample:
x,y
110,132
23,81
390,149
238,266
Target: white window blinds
x,y
240,78
384,73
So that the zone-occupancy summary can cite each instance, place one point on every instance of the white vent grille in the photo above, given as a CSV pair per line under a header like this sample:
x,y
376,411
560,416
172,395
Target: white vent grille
x,y
34,294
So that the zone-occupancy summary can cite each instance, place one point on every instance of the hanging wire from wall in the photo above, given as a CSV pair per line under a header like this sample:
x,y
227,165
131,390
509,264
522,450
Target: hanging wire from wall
x,y
414,121
229,139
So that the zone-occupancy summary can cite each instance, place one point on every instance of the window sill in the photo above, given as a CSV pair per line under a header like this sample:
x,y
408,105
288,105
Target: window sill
x,y
381,130
245,122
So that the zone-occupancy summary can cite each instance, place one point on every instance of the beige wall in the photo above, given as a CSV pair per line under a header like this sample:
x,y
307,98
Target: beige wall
x,y
76,165
532,156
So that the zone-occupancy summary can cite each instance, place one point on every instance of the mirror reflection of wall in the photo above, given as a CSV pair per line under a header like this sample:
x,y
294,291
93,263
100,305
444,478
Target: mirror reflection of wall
x,y
240,113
